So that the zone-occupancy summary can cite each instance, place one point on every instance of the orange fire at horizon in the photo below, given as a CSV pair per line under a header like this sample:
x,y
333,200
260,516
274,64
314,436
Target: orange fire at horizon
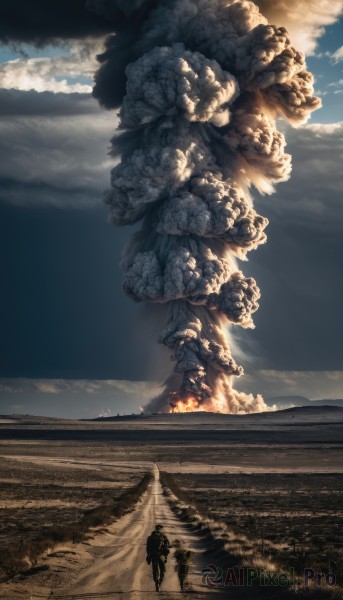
x,y
182,403
189,404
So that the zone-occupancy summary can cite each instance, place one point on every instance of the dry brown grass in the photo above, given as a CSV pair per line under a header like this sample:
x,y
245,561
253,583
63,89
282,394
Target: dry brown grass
x,y
18,556
264,538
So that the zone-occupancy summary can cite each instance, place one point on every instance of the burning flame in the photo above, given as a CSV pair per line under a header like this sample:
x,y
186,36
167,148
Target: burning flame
x,y
180,403
186,404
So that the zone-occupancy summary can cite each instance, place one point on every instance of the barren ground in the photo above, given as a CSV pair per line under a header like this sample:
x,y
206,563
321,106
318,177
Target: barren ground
x,y
53,470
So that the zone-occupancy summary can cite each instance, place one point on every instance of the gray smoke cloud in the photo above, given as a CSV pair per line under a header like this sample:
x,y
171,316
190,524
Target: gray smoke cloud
x,y
167,156
210,207
174,81
205,82
175,268
260,148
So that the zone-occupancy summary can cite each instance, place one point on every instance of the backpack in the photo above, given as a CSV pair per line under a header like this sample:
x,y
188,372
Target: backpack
x,y
157,544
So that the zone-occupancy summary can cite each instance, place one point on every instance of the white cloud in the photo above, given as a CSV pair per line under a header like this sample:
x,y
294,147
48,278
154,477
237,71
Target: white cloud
x,y
335,57
305,19
336,83
338,55
108,396
54,74
36,74
47,387
315,385
325,54
135,388
141,389
74,398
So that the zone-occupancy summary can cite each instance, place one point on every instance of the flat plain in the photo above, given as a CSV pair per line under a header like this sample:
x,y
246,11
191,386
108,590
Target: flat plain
x,y
273,478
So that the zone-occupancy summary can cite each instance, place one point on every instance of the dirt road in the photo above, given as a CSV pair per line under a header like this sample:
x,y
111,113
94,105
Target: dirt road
x,y
120,570
112,563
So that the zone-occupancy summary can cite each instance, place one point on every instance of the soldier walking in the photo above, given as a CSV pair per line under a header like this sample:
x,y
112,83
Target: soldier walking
x,y
157,550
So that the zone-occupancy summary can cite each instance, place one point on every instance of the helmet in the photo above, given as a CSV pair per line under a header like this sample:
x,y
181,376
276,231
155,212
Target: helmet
x,y
158,526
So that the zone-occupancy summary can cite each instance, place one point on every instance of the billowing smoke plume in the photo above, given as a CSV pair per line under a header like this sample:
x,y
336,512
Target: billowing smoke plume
x,y
304,19
200,84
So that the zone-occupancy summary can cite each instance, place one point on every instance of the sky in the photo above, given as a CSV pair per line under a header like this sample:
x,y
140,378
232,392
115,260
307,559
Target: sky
x,y
72,343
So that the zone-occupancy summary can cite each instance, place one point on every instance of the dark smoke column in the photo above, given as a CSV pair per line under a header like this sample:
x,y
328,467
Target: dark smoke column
x,y
205,82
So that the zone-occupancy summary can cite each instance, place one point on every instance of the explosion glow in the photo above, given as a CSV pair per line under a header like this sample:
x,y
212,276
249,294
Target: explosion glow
x,y
183,404
190,404
205,82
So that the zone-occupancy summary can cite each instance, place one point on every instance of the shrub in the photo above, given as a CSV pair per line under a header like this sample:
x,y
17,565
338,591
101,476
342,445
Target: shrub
x,y
12,560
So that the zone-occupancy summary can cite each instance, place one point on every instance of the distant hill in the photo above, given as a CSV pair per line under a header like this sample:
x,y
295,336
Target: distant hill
x,y
312,411
282,402
321,409
282,405
337,402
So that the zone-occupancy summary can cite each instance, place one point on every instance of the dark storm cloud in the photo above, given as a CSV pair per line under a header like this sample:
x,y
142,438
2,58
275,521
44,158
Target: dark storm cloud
x,y
299,324
315,195
40,22
14,103
59,306
54,152
61,298
31,193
